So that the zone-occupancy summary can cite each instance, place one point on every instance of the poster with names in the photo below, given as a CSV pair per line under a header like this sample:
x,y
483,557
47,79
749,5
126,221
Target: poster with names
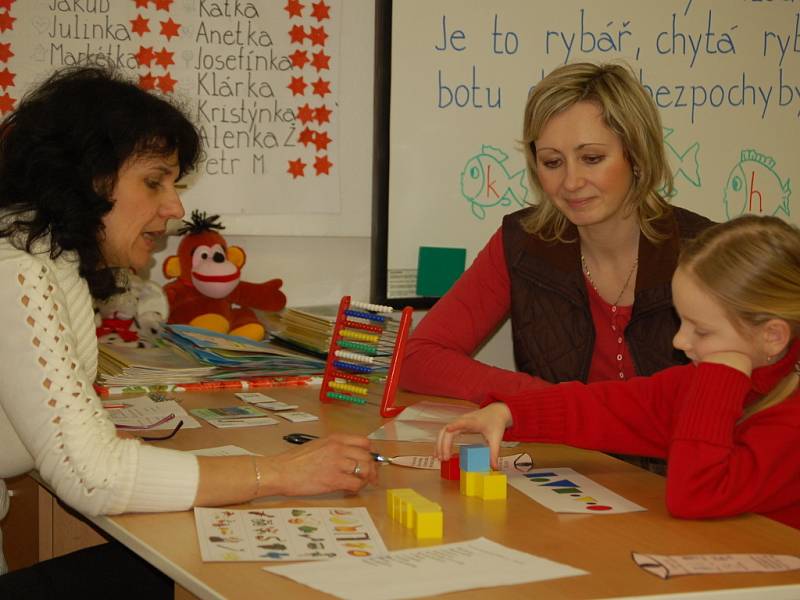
x,y
259,79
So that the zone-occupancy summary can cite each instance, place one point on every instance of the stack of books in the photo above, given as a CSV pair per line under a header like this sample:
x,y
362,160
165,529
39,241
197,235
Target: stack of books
x,y
308,328
188,354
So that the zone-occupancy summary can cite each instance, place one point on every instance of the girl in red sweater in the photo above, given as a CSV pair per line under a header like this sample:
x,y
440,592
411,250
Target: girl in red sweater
x,y
729,423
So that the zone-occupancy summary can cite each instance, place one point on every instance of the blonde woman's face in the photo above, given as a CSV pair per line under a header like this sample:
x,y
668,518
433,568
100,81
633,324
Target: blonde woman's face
x,y
582,167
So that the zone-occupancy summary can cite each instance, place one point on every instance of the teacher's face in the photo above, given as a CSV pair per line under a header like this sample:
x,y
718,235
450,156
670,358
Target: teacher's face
x,y
144,199
582,166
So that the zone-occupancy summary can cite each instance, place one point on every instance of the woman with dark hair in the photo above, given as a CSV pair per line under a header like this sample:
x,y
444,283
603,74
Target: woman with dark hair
x,y
88,171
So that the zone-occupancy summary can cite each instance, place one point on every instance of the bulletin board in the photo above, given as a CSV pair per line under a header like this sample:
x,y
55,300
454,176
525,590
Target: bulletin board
x,y
456,74
281,92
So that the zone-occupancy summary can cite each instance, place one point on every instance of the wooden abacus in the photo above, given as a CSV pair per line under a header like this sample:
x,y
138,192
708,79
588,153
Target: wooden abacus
x,y
365,340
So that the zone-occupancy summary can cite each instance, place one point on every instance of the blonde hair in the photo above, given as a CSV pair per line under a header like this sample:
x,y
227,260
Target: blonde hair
x,y
629,111
751,266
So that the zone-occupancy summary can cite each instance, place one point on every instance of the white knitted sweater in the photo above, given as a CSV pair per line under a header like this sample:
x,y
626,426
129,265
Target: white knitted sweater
x,y
51,419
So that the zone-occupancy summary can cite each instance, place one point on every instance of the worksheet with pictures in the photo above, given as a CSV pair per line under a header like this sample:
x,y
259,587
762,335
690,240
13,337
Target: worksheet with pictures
x,y
285,534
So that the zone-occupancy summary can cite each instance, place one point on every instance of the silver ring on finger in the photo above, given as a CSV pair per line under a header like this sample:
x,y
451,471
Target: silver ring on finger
x,y
357,469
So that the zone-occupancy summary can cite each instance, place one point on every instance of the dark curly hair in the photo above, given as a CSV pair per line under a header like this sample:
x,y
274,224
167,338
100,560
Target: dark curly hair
x,y
60,154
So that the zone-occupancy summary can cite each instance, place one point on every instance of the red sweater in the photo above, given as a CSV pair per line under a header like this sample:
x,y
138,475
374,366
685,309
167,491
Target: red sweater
x,y
438,358
688,415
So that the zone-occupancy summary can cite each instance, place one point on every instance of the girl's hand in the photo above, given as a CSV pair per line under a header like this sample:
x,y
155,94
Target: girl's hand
x,y
490,421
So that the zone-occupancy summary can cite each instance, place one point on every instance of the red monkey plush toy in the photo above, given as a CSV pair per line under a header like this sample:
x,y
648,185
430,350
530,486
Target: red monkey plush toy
x,y
209,291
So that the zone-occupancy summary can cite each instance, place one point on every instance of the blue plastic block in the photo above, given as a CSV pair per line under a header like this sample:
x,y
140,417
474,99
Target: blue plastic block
x,y
474,458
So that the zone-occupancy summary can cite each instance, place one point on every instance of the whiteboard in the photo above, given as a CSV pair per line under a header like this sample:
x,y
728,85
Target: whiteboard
x,y
725,75
244,71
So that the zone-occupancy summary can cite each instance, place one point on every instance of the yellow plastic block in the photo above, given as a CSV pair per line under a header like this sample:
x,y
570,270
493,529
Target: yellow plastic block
x,y
470,482
429,522
393,500
493,486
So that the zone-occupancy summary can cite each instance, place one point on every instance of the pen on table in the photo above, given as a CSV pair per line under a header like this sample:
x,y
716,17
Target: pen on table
x,y
302,438
115,405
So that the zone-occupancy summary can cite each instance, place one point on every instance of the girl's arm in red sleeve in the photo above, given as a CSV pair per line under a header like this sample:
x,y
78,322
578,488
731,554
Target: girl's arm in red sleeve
x,y
629,417
438,358
718,468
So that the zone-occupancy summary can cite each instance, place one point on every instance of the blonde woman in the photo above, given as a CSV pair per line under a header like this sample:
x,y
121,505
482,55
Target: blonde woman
x,y
585,273
729,421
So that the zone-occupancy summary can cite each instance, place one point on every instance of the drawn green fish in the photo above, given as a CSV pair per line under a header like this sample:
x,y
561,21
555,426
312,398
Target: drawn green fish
x,y
485,182
754,186
688,165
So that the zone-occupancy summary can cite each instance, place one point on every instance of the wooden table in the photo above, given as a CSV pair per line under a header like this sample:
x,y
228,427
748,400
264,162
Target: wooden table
x,y
599,544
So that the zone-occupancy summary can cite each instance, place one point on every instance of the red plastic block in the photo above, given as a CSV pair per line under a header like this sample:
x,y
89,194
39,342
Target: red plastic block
x,y
450,468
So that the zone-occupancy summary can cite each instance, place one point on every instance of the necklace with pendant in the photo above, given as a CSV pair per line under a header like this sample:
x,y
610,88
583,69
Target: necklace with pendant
x,y
624,286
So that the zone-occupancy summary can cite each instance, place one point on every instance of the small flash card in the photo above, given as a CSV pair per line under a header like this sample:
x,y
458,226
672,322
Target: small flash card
x,y
298,417
277,405
253,397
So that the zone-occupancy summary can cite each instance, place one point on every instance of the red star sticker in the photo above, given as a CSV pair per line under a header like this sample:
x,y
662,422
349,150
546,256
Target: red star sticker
x,y
166,83
147,82
321,87
296,168
6,4
6,103
145,55
162,4
322,114
169,28
5,52
6,78
6,21
140,3
322,165
305,113
321,61
297,34
299,58
164,58
320,10
294,8
298,86
318,36
321,140
306,136
140,25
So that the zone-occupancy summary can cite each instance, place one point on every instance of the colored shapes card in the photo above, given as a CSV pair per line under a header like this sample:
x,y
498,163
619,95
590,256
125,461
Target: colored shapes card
x,y
563,490
284,534
438,269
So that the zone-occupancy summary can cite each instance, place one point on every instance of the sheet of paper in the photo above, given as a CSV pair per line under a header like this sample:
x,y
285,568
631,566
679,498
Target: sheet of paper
x,y
672,565
566,491
421,422
283,534
141,411
426,571
298,416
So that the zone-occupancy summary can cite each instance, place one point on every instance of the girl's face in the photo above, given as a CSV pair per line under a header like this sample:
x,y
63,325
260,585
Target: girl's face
x,y
144,199
582,166
705,326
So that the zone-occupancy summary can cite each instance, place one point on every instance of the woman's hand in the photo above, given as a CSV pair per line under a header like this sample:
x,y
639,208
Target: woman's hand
x,y
490,421
321,466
